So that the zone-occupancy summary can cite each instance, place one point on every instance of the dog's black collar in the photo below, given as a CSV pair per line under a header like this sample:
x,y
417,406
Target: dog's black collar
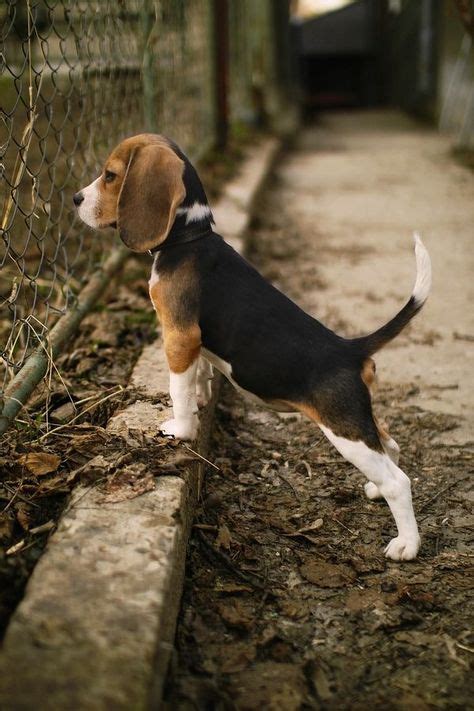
x,y
189,234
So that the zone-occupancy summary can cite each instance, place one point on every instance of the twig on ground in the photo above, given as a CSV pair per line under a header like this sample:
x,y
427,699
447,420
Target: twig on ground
x,y
17,495
223,558
437,495
313,446
92,397
43,528
83,412
15,548
354,533
288,482
199,456
308,468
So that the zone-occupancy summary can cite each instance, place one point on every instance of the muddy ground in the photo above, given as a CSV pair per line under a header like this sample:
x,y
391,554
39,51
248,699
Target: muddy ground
x,y
289,602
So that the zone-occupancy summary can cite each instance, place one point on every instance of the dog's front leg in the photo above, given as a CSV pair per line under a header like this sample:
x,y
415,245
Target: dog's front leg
x,y
182,352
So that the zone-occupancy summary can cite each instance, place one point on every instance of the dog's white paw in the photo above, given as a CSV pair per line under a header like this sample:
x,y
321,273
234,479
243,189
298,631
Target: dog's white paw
x,y
372,491
203,392
181,429
403,547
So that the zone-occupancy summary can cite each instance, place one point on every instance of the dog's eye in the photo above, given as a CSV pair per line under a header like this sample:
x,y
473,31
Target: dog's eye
x,y
109,176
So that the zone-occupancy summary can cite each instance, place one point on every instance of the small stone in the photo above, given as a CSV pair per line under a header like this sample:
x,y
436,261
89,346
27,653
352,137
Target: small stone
x,y
212,501
64,413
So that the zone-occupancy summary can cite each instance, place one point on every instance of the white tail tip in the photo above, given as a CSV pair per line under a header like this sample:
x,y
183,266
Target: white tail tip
x,y
423,271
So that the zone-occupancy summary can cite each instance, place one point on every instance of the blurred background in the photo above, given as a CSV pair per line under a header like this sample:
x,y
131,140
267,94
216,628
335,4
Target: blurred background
x,y
414,55
79,76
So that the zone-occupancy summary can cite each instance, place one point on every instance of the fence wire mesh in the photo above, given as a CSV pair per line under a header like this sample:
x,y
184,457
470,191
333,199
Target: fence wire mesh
x,y
72,84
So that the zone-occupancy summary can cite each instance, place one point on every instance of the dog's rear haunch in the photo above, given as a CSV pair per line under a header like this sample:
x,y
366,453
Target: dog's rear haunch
x,y
216,310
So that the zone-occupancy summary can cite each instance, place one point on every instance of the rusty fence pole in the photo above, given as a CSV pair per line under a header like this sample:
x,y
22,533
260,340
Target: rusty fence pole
x,y
149,74
220,26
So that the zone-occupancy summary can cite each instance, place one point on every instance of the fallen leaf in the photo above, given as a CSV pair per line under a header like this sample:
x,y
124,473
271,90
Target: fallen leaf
x,y
271,685
293,580
16,548
179,458
40,463
232,588
6,525
420,598
56,483
237,613
327,575
269,634
296,609
418,638
358,600
321,683
238,657
312,526
98,465
133,481
223,539
367,559
107,329
85,365
22,511
306,530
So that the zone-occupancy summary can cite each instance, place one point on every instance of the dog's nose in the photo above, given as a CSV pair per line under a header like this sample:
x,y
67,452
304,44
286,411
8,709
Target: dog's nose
x,y
77,199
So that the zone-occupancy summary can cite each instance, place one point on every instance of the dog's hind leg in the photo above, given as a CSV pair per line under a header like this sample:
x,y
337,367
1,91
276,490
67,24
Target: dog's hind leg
x,y
347,411
368,376
388,443
393,450
392,483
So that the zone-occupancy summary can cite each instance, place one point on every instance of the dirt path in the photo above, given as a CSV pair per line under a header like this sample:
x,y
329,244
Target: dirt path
x,y
289,603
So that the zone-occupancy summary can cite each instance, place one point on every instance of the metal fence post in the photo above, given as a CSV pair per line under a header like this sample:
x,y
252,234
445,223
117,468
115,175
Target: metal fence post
x,y
149,80
221,75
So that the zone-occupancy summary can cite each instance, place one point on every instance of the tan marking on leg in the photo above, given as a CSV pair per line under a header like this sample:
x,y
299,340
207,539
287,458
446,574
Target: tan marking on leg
x,y
382,429
156,298
182,347
174,297
368,373
305,408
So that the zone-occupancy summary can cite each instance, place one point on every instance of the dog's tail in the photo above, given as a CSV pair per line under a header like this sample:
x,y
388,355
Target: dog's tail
x,y
368,345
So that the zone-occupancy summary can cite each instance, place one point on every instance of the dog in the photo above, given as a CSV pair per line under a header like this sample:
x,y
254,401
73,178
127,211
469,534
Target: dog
x,y
217,311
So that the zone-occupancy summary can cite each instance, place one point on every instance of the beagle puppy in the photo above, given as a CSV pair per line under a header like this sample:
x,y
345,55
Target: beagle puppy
x,y
216,310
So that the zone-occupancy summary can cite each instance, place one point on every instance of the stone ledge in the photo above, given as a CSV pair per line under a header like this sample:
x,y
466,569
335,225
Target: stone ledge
x,y
234,210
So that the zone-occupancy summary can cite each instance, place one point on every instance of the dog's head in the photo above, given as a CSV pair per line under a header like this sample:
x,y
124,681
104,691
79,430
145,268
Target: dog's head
x,y
139,191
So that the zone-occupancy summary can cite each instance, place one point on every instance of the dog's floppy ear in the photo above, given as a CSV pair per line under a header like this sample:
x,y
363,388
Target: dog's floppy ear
x,y
151,192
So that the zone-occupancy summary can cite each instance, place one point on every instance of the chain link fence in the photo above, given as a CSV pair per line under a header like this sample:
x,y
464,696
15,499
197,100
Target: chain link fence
x,y
77,76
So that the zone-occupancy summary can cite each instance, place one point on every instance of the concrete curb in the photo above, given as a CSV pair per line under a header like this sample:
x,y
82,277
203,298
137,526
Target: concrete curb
x,y
96,626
